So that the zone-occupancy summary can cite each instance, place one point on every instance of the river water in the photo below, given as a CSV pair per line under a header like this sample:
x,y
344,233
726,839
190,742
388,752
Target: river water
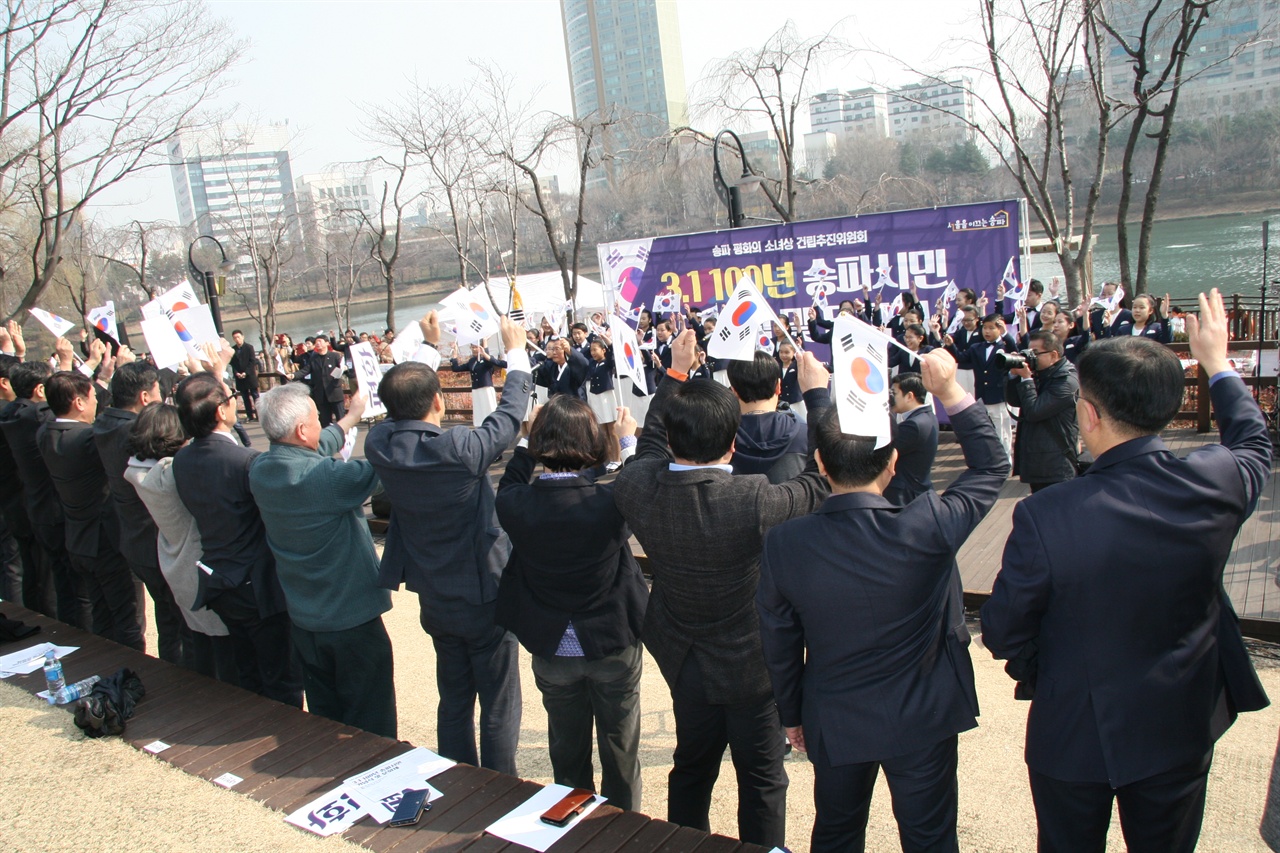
x,y
1188,255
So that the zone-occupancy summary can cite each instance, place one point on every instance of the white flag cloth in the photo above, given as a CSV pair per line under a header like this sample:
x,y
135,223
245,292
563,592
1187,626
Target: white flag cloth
x,y
1108,304
55,324
626,352
741,318
178,298
894,309
166,348
475,317
365,363
666,302
861,379
104,320
1014,290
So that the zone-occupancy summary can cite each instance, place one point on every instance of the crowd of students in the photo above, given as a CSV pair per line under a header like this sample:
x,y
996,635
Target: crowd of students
x,y
765,528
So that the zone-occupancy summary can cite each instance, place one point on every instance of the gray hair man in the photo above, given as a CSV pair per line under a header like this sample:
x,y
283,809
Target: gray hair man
x,y
311,503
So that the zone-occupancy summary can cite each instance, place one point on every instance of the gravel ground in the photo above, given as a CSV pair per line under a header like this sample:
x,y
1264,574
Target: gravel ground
x,y
61,791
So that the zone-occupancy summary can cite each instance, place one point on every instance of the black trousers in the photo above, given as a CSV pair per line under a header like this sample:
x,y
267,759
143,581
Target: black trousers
x,y
475,660
248,392
70,596
750,731
922,785
349,677
1161,814
211,656
169,624
330,413
264,652
36,586
114,602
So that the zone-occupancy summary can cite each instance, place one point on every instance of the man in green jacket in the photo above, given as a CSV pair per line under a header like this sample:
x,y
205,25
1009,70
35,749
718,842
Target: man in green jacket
x,y
311,505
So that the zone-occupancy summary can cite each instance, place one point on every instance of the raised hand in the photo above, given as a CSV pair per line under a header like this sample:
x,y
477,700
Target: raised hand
x,y
810,372
624,424
430,326
1209,333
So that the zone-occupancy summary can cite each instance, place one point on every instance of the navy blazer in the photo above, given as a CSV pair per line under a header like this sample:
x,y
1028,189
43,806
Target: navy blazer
x,y
1139,662
21,420
791,392
1099,330
212,477
1122,328
81,483
548,375
916,440
861,612
481,370
138,531
988,377
444,539
600,374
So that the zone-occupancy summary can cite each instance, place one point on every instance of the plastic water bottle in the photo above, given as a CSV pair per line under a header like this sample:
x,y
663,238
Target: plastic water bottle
x,y
53,674
76,691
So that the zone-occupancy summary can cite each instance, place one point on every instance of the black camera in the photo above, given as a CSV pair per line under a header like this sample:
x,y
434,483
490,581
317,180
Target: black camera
x,y
1021,358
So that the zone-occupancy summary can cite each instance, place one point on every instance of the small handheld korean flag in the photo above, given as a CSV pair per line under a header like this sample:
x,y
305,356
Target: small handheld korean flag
x,y
861,379
52,322
739,324
666,302
820,302
626,353
1107,303
104,320
1014,290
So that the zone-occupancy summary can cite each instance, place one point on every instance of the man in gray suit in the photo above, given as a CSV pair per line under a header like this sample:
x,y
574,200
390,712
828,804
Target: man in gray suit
x,y
915,439
702,529
444,543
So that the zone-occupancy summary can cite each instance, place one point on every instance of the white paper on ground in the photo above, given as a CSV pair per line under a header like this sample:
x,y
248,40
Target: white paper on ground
x,y
29,660
166,348
384,786
228,780
330,813
156,746
522,824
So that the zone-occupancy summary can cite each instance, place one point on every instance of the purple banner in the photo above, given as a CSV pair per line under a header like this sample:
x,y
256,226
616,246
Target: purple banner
x,y
969,244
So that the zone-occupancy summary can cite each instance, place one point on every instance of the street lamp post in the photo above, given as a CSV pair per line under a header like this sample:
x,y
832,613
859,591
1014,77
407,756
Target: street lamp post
x,y
732,193
206,277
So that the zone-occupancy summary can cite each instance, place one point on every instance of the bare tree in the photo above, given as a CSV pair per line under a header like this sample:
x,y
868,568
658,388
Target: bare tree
x,y
1158,51
93,94
770,84
386,230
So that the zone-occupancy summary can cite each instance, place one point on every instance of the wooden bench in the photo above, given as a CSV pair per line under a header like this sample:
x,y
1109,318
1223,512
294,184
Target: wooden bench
x,y
287,757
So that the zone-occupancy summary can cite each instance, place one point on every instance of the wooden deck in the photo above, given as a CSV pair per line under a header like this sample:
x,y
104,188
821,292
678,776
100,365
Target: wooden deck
x,y
287,757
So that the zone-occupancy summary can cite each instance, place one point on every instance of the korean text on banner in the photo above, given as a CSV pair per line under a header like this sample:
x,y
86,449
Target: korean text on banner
x,y
740,320
861,379
626,352
365,362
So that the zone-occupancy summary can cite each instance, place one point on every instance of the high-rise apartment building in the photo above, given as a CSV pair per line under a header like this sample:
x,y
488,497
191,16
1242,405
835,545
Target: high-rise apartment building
x,y
939,110
333,201
1232,68
228,183
626,54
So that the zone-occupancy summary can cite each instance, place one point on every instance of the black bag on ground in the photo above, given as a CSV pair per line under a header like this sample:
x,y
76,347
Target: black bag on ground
x,y
104,711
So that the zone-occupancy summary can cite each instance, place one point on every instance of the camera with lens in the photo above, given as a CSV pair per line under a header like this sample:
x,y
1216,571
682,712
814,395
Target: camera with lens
x,y
1021,358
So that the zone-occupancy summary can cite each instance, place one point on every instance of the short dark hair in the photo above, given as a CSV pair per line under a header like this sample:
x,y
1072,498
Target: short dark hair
x,y
26,377
324,338
198,398
756,379
408,390
62,388
911,383
582,327
236,332
992,318
917,330
566,436
666,323
1047,339
7,364
968,293
849,460
702,419
157,433
130,380
844,302
1135,382
1035,286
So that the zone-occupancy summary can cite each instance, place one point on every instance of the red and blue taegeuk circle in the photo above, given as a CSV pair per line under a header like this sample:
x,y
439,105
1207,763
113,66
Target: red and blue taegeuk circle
x,y
867,376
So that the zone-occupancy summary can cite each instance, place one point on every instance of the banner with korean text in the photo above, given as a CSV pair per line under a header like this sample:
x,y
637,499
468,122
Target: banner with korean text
x,y
970,245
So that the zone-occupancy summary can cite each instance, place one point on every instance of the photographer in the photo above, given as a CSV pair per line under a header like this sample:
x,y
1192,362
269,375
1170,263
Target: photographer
x,y
1045,388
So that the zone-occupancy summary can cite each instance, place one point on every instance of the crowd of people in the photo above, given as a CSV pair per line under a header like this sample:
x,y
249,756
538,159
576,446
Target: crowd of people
x,y
804,591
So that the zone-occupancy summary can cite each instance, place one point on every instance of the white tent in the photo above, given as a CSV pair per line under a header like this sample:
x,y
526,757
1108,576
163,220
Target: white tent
x,y
543,293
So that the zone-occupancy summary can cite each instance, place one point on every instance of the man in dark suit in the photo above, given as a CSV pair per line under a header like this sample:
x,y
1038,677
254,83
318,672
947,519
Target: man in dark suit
x,y
1035,294
564,371
244,364
322,368
61,591
237,572
134,386
1123,638
915,439
30,586
870,664
93,532
444,543
702,529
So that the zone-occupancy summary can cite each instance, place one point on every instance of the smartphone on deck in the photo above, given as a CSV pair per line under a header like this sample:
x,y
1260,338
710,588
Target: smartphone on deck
x,y
411,808
569,807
